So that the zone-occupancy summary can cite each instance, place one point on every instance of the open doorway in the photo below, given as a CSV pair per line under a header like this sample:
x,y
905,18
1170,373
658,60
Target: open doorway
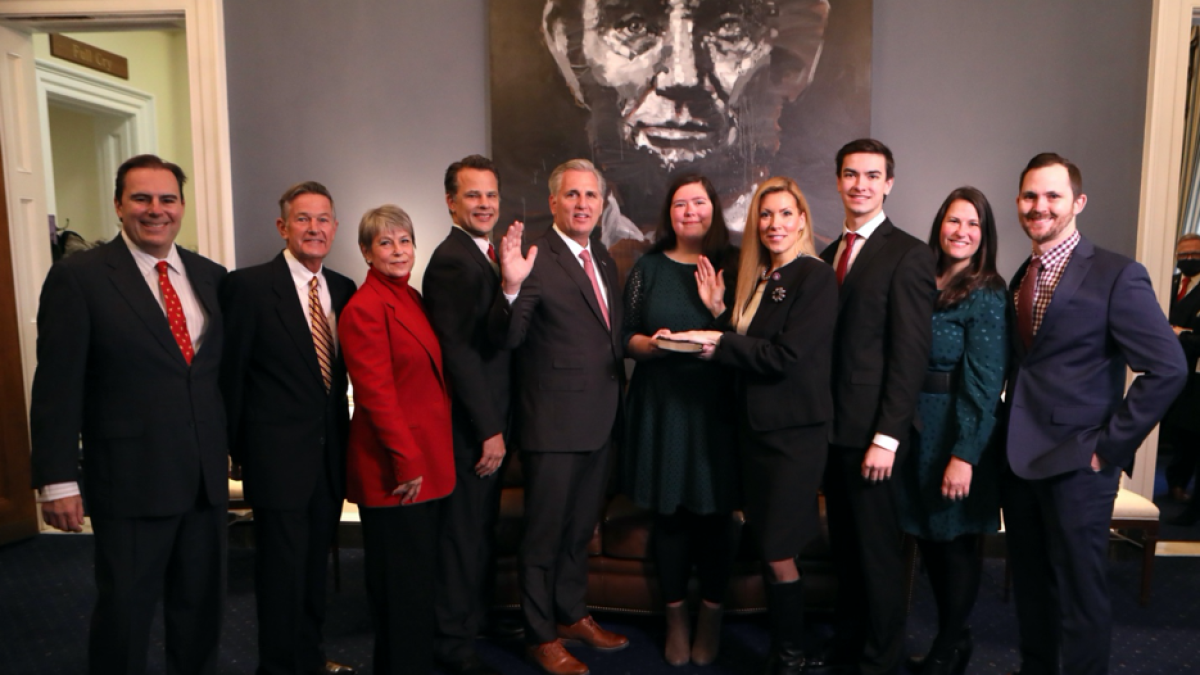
x,y
198,108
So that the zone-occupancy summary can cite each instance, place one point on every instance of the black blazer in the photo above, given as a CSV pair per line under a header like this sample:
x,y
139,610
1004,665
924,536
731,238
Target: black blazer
x,y
783,360
569,371
459,288
109,370
884,331
284,430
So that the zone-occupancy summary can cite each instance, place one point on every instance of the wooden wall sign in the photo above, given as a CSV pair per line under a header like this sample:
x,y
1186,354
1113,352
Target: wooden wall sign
x,y
88,56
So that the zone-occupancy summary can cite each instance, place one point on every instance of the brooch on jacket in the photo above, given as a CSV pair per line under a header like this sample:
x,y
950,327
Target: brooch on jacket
x,y
778,294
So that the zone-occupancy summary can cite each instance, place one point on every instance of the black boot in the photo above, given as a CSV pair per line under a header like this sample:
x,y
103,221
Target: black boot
x,y
952,662
785,605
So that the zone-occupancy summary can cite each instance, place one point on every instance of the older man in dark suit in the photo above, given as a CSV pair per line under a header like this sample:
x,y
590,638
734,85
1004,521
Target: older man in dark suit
x,y
129,345
559,308
1084,315
881,349
461,283
1181,426
284,383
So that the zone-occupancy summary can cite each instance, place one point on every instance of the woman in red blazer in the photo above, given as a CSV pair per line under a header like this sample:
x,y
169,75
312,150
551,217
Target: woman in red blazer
x,y
400,458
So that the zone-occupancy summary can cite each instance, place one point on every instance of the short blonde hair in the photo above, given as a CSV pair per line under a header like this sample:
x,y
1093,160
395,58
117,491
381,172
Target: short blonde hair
x,y
381,219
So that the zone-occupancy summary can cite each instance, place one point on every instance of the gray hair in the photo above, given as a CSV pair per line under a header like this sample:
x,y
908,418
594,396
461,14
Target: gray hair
x,y
575,165
1190,236
381,219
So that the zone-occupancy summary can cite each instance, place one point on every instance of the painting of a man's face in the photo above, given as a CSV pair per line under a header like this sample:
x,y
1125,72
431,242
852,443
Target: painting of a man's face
x,y
677,71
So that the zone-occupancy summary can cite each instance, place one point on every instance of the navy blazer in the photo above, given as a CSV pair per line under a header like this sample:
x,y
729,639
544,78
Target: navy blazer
x,y
284,429
1066,396
109,370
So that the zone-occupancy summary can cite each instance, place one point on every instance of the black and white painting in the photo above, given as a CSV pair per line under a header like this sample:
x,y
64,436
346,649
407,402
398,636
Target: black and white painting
x,y
739,90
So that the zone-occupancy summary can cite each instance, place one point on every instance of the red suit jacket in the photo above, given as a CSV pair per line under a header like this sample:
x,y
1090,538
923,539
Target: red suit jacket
x,y
401,424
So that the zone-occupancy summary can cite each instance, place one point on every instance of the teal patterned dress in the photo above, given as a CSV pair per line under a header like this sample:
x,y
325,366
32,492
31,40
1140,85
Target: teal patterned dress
x,y
679,445
970,340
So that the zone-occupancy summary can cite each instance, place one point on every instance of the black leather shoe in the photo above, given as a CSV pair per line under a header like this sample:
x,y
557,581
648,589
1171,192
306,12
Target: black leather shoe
x,y
335,668
828,656
472,665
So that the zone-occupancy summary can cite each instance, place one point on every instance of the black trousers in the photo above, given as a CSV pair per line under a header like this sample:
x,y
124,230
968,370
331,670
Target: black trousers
x,y
1185,456
290,569
1057,531
564,492
869,552
466,537
400,551
180,559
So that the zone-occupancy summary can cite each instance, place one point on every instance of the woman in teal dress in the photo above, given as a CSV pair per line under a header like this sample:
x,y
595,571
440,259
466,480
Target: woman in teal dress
x,y
679,458
947,494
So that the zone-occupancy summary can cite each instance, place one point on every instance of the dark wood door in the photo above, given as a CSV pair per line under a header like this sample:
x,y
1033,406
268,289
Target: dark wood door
x,y
18,512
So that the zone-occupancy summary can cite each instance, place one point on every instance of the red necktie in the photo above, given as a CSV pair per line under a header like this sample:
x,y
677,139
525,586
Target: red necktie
x,y
1183,286
591,272
1025,301
844,261
175,313
491,252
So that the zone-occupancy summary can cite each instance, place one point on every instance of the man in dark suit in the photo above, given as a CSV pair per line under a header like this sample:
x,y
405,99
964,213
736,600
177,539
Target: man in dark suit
x,y
559,308
881,350
461,283
129,346
284,383
1083,316
1181,426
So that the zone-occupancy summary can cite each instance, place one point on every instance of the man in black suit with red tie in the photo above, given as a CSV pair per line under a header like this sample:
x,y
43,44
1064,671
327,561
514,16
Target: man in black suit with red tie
x,y
559,309
1182,423
887,285
129,345
460,285
284,383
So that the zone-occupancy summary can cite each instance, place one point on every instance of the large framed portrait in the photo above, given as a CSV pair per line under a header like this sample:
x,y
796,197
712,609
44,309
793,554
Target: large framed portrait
x,y
739,90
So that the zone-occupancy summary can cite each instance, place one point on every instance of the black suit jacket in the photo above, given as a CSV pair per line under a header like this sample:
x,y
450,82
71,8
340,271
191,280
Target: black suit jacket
x,y
783,360
569,370
284,429
109,370
884,331
459,288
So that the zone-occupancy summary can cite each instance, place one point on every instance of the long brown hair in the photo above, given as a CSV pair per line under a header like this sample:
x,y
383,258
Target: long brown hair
x,y
715,241
981,272
755,258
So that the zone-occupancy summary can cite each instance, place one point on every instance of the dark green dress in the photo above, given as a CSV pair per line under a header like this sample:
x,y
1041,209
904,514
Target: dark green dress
x,y
970,340
680,439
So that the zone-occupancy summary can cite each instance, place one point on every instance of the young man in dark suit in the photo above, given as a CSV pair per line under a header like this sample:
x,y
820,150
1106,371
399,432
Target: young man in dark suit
x,y
1182,423
887,284
284,383
461,282
129,346
1084,316
559,309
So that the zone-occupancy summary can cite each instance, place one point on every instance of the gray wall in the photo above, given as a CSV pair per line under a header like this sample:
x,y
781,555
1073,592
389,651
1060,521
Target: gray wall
x,y
376,98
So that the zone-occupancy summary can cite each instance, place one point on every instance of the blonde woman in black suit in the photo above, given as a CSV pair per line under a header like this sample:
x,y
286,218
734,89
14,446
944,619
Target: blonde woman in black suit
x,y
780,341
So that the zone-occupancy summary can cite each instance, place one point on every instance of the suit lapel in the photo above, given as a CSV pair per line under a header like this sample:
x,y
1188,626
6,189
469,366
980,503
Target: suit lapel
x,y
1072,279
574,269
291,315
132,286
874,244
425,337
471,250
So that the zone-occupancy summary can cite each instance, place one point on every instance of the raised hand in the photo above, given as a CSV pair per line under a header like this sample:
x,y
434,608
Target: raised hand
x,y
711,286
514,267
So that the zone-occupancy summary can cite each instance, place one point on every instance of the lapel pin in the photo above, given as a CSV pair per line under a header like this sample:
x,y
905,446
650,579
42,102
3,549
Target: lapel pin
x,y
778,294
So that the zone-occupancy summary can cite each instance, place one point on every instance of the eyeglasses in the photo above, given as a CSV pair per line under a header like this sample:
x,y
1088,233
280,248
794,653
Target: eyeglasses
x,y
1188,255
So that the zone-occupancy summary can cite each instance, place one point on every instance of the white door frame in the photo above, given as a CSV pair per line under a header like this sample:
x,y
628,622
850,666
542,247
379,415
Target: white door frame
x,y
1162,152
136,133
204,26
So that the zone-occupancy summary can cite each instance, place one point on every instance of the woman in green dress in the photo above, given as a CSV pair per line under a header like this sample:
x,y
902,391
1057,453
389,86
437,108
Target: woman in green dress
x,y
679,458
947,494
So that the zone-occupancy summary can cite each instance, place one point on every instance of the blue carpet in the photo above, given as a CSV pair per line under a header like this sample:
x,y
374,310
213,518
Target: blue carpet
x,y
46,594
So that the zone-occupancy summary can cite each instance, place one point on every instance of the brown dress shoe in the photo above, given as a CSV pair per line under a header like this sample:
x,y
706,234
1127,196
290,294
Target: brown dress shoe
x,y
335,668
554,658
587,631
